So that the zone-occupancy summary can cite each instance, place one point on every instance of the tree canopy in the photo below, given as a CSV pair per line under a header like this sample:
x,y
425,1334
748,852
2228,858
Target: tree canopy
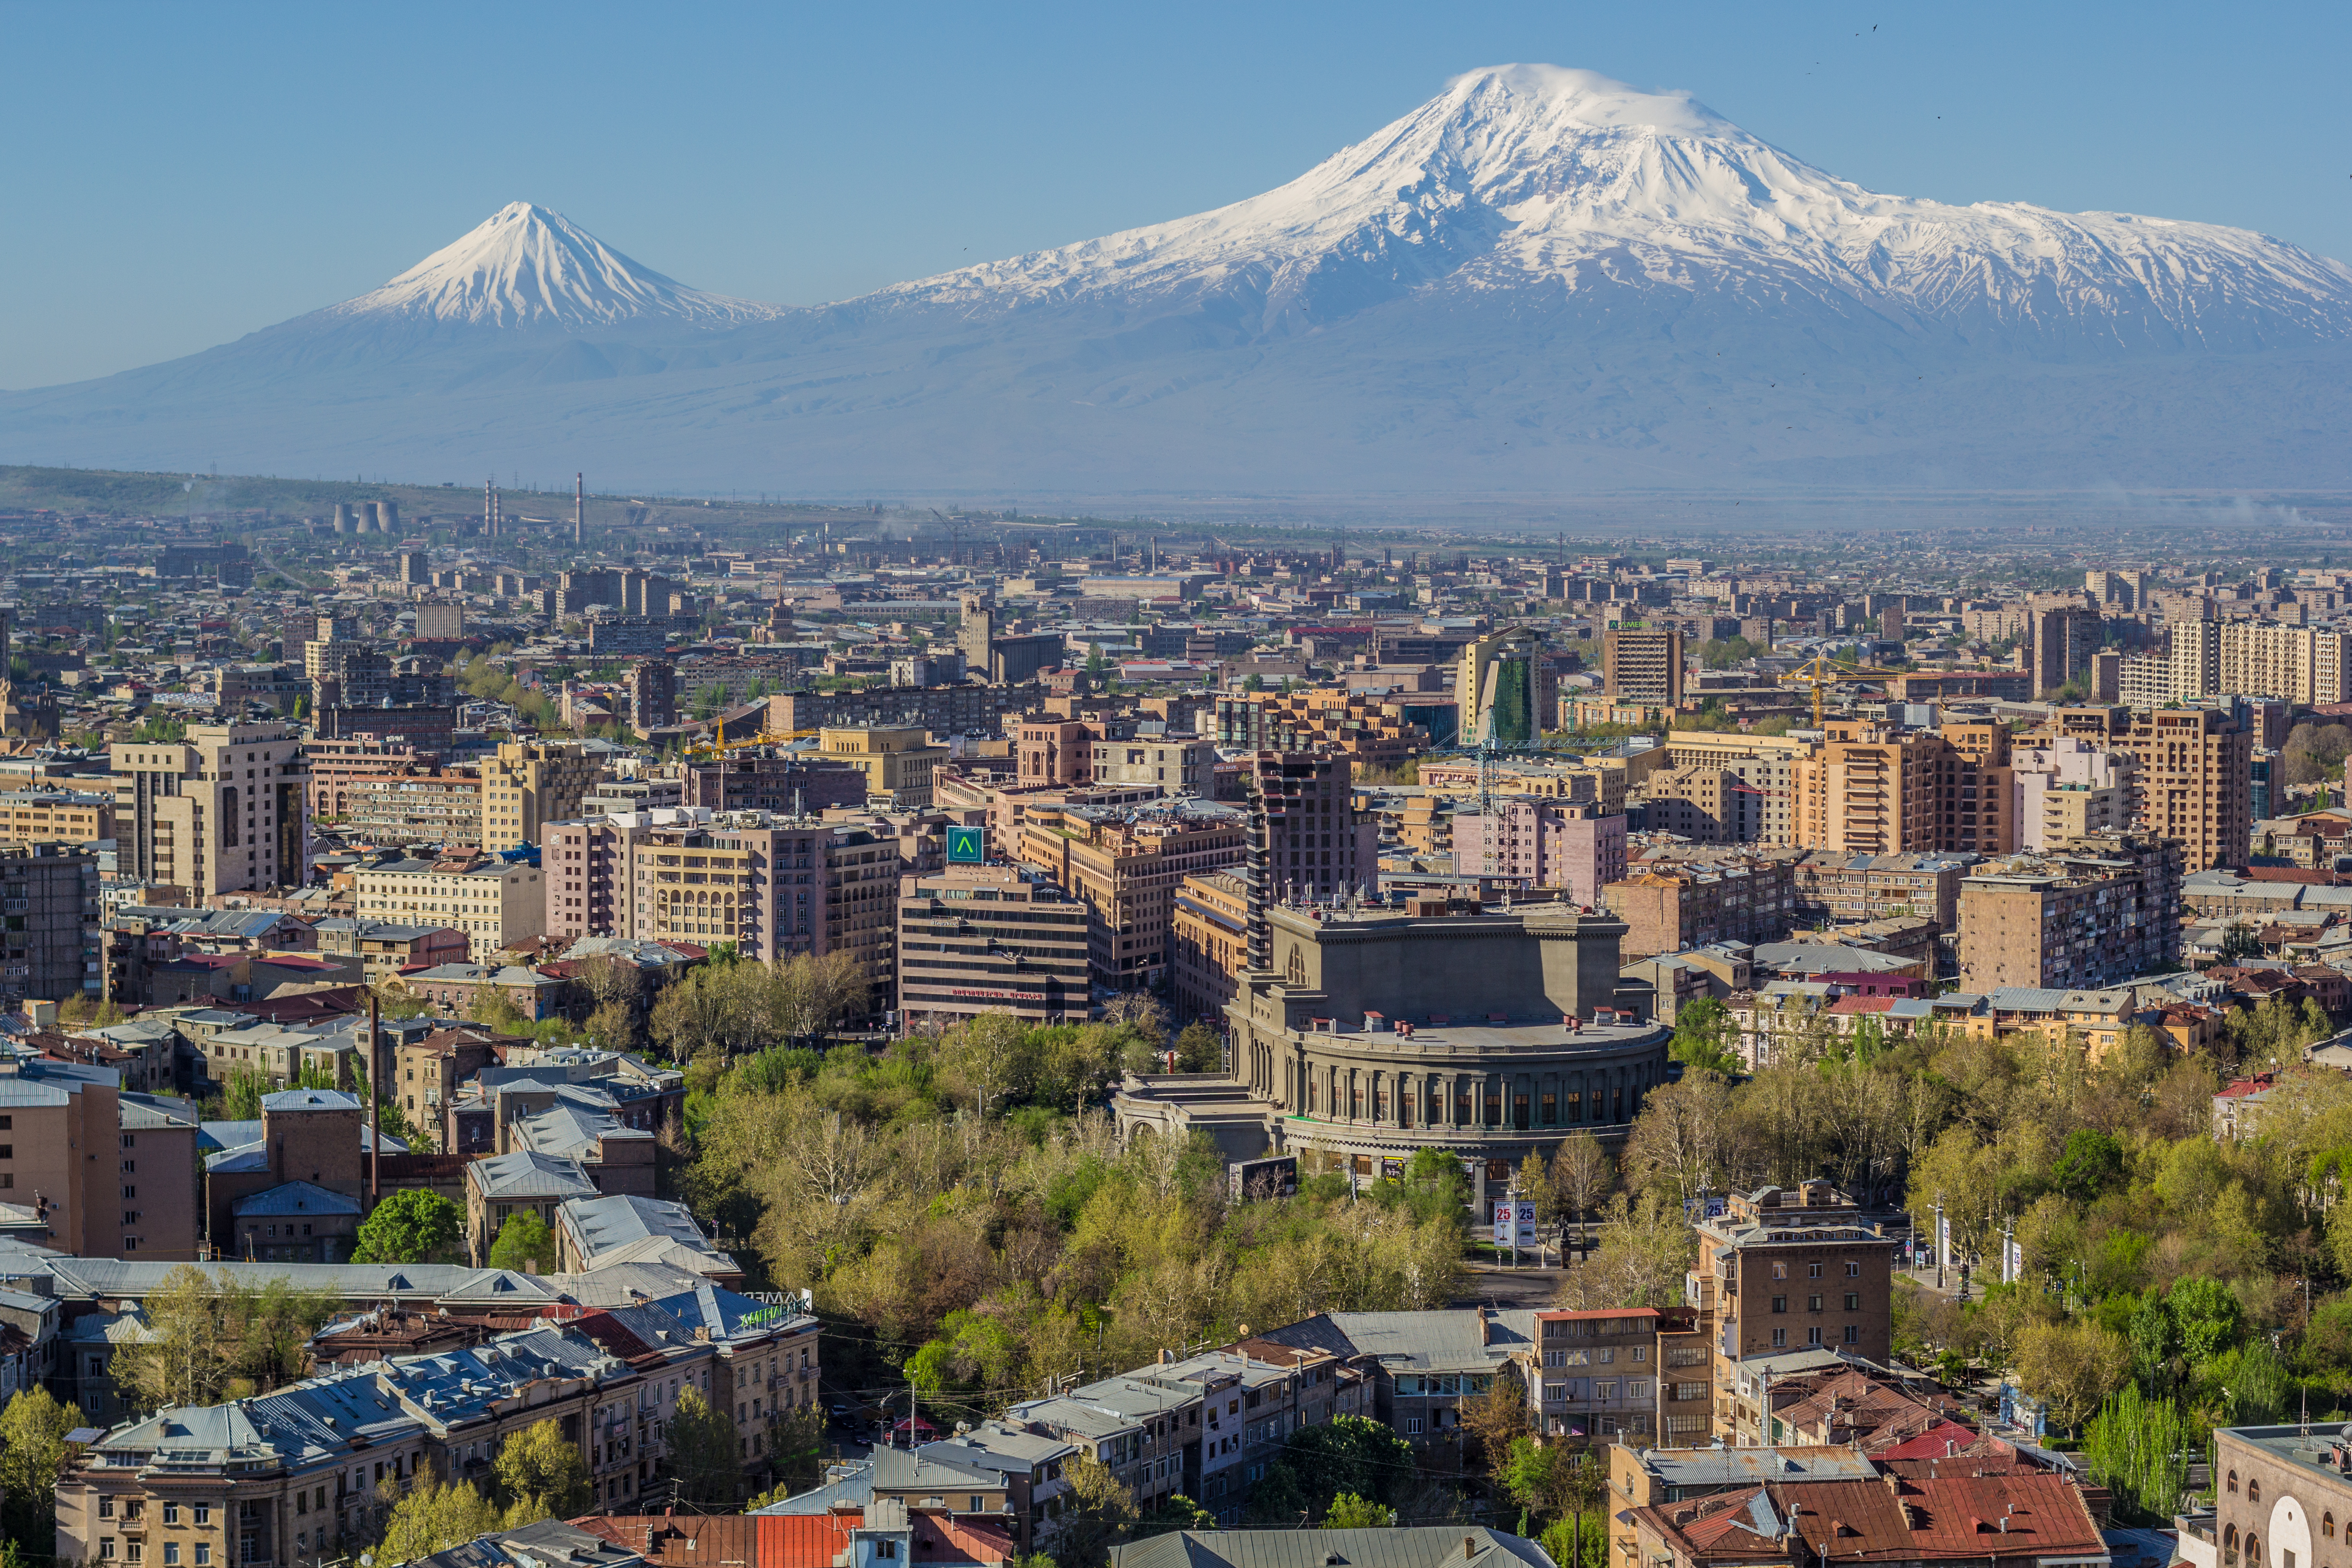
x,y
412,1226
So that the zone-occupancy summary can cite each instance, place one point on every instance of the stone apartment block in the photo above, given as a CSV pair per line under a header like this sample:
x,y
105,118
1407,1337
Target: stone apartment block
x,y
1125,867
109,1173
1539,843
2104,910
529,785
1787,1271
2193,783
219,811
1209,945
498,904
980,938
1670,907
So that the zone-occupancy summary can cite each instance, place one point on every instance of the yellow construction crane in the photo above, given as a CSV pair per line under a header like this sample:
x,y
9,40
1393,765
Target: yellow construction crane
x,y
718,745
1816,671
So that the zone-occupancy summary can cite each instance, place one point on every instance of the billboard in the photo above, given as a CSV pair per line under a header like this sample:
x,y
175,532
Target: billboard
x,y
1503,1208
967,846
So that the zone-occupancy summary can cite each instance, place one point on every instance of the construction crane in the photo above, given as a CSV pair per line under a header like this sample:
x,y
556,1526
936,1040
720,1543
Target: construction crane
x,y
718,745
1816,671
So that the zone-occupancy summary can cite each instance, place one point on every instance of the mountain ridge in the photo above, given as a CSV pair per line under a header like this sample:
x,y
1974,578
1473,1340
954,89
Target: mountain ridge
x,y
1538,277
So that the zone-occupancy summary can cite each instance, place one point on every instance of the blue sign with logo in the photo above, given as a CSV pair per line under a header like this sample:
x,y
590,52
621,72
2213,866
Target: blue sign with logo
x,y
967,846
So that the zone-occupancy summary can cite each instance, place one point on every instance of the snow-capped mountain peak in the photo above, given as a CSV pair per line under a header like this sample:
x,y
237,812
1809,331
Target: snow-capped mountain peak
x,y
1522,175
528,266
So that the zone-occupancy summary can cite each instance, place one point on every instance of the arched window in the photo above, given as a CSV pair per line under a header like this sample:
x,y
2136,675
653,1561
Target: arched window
x,y
2253,1551
228,817
2253,1489
2229,1537
2233,1483
2328,1525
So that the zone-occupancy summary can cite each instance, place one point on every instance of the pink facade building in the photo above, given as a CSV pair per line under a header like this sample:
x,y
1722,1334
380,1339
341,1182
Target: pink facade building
x,y
1564,844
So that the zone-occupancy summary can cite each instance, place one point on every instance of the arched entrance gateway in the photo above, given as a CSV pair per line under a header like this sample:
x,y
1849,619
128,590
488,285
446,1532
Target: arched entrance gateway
x,y
1378,1032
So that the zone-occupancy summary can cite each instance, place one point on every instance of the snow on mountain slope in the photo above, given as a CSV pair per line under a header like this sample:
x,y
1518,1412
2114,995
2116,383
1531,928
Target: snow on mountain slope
x,y
527,265
1539,282
1528,174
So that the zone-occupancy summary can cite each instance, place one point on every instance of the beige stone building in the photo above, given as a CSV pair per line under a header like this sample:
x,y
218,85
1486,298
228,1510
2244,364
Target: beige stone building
x,y
897,763
1885,792
70,817
992,939
1782,1273
495,903
1210,945
219,811
2194,782
113,1175
530,784
1125,867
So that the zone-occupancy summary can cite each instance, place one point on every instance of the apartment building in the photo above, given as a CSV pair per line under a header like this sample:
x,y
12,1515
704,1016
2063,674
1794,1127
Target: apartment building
x,y
2066,787
794,786
897,763
530,784
1209,935
1176,763
1883,791
408,808
1369,731
773,885
1543,844
50,946
497,903
1764,809
55,816
2193,782
2302,665
1843,888
1671,908
1704,805
332,761
2105,909
218,812
1319,847
2061,642
111,1174
1125,867
1643,664
988,939
1782,1271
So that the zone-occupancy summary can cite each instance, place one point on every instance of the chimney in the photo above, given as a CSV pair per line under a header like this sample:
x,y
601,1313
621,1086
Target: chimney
x,y
1483,1328
1470,1542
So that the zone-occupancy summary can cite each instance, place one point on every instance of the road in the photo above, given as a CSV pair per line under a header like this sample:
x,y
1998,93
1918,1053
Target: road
x,y
1493,1284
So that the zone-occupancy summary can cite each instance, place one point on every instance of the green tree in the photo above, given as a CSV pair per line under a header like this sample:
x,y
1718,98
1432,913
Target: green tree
x,y
1349,1511
2092,1161
540,1466
429,1518
33,1455
2207,1317
525,1245
1097,1512
1200,1048
2138,1449
1350,1455
412,1226
703,1454
1702,1038
796,1448
2072,1367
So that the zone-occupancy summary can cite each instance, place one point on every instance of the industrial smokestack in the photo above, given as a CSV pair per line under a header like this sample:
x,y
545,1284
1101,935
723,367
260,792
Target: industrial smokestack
x,y
578,509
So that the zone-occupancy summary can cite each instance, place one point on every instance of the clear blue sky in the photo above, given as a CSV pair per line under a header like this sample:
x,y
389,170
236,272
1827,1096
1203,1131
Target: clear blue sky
x,y
177,176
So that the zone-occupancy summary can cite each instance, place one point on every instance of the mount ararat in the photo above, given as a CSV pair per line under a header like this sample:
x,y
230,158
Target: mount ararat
x,y
1541,281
